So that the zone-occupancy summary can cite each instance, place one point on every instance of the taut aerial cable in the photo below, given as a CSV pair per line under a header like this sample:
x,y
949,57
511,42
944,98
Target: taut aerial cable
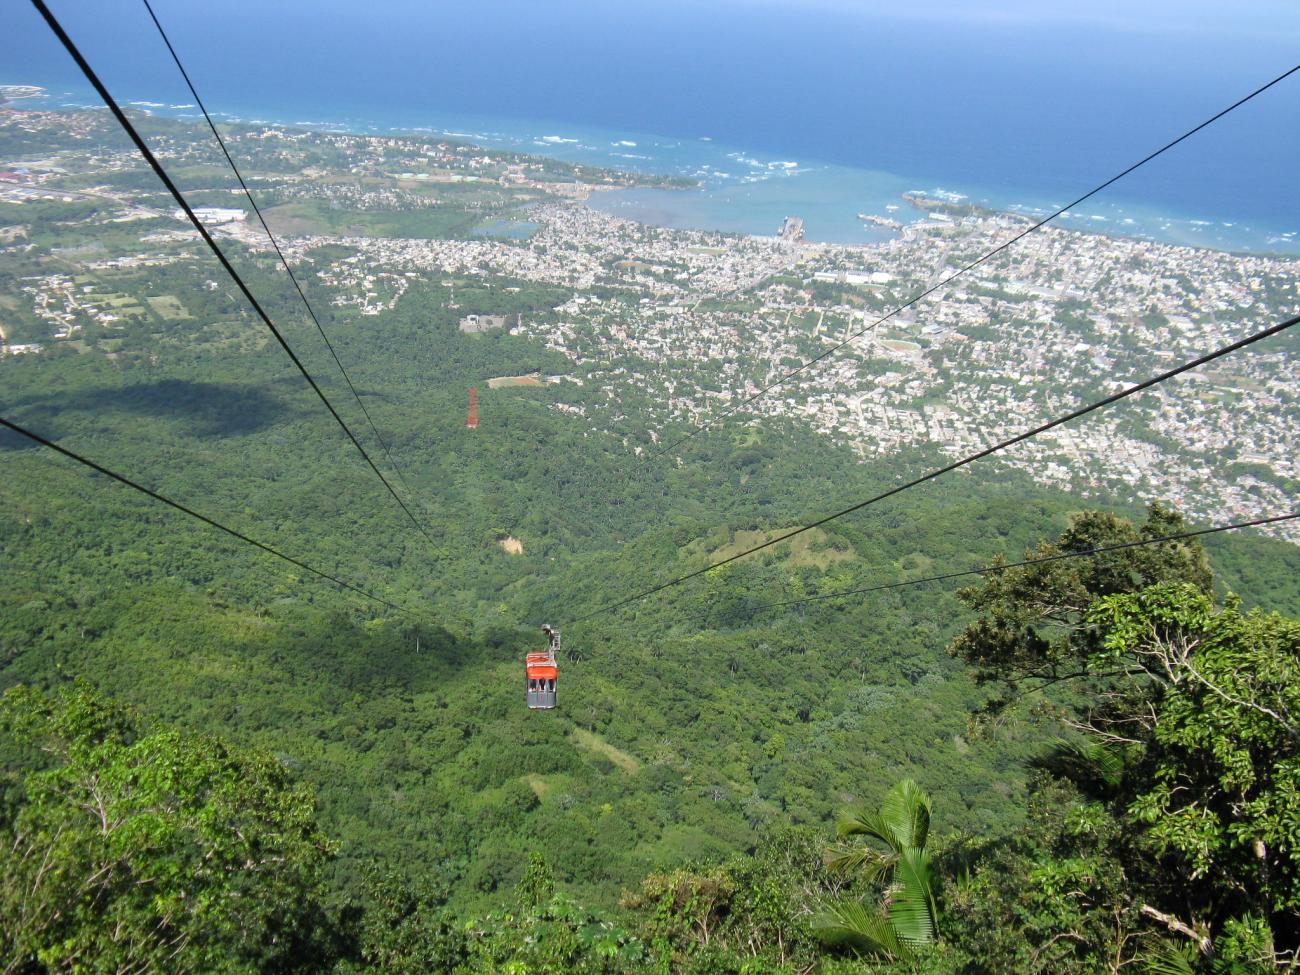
x,y
211,522
162,175
969,459
225,151
1003,567
782,380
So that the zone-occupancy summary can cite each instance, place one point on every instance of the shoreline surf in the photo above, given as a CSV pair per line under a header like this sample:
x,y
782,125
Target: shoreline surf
x,y
742,191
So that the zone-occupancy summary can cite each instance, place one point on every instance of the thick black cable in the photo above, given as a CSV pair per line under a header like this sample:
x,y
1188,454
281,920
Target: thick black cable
x,y
1060,556
1002,567
203,518
275,244
1019,438
161,173
974,264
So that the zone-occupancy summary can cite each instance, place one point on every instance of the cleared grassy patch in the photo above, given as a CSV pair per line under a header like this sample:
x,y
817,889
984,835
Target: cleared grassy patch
x,y
594,743
917,563
809,549
168,306
507,381
319,218
900,345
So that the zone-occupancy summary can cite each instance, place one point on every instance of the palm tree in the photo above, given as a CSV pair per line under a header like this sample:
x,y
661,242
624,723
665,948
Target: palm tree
x,y
901,825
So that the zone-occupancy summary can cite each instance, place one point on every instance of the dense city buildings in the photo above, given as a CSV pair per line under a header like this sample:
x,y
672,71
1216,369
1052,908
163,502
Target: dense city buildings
x,y
690,323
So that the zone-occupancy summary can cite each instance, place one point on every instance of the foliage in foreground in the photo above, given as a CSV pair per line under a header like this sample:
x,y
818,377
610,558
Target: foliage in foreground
x,y
403,931
142,848
910,915
1168,825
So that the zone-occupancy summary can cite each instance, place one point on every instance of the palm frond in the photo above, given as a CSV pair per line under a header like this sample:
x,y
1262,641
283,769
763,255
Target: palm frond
x,y
851,924
912,909
1168,960
860,822
905,812
869,862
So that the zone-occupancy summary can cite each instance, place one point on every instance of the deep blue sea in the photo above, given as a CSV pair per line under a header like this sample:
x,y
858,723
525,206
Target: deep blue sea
x,y
817,108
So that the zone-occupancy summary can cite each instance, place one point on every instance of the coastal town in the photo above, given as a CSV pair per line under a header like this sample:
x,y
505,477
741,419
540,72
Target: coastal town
x,y
691,324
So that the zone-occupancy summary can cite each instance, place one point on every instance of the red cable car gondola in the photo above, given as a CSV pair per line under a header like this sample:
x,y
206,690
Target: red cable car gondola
x,y
540,672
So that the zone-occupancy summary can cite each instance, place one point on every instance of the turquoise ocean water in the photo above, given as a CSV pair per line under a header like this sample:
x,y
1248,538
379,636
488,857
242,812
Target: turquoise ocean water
x,y
749,192
819,110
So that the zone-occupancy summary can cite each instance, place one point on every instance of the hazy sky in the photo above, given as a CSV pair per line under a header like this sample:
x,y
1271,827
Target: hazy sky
x,y
1272,20
1067,87
1260,18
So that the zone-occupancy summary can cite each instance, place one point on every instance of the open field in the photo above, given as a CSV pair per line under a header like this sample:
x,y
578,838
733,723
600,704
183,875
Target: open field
x,y
899,345
594,743
168,306
808,549
501,382
312,217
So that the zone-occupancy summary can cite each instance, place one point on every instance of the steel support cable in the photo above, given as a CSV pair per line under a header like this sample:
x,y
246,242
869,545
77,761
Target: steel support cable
x,y
161,173
276,245
971,266
121,479
969,459
986,570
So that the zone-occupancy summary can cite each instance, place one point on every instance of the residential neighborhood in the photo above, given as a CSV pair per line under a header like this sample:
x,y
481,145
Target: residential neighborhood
x,y
700,325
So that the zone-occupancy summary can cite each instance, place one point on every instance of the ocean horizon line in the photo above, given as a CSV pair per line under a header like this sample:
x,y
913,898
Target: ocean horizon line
x,y
737,191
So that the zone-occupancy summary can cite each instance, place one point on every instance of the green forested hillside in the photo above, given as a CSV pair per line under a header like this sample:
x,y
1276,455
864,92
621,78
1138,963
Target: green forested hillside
x,y
690,725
